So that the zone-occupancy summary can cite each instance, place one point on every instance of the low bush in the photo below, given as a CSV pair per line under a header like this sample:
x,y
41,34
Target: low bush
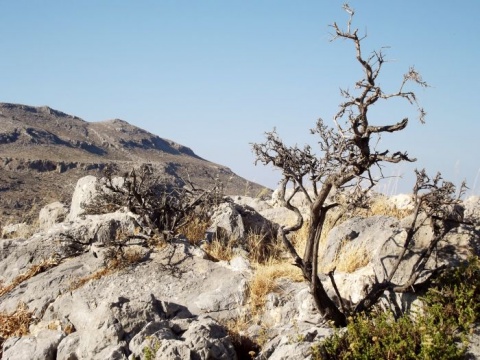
x,y
439,331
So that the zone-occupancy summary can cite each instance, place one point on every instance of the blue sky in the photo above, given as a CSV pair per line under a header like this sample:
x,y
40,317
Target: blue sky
x,y
215,75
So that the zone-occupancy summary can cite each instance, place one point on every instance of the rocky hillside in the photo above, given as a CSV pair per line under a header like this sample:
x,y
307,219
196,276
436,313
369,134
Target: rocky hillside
x,y
70,292
43,152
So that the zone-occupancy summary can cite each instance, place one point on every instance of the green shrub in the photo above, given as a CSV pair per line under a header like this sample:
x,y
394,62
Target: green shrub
x,y
439,331
455,297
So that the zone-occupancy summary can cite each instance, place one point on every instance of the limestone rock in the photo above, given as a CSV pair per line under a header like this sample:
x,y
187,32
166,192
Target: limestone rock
x,y
234,222
16,230
402,201
52,214
43,346
62,240
84,193
472,209
227,224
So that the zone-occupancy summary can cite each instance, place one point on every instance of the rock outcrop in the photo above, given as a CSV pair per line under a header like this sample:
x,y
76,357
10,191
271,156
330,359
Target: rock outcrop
x,y
173,301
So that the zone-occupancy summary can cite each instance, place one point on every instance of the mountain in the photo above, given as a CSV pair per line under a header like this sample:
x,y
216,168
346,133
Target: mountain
x,y
43,152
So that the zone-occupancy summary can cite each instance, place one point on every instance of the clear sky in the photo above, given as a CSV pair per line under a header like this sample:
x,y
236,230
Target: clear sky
x,y
215,75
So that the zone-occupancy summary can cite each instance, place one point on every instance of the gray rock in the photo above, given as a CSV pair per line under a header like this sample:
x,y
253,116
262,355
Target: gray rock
x,y
84,194
202,338
473,349
43,346
174,350
52,214
109,312
257,204
377,242
16,230
62,241
274,213
226,224
67,349
208,340
402,201
472,209
234,222
293,343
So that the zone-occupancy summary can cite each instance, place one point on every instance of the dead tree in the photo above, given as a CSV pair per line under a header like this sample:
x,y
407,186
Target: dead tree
x,y
346,162
163,206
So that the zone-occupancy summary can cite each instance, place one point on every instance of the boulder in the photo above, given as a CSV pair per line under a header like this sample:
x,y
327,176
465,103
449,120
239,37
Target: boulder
x,y
52,214
276,214
234,222
84,194
42,346
402,201
195,338
472,209
226,224
364,250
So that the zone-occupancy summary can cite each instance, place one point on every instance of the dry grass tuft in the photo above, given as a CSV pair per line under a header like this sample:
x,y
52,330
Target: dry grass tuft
x,y
15,324
264,282
220,250
78,283
194,230
381,205
351,259
263,249
31,272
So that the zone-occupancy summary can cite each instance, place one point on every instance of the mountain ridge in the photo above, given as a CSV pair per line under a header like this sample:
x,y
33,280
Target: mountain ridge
x,y
43,152
46,126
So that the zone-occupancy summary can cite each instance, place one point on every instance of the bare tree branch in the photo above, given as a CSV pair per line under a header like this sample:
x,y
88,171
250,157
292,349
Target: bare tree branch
x,y
343,166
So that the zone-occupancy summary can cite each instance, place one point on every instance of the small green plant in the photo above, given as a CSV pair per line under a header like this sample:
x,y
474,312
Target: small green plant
x,y
149,352
296,337
456,296
439,331
384,337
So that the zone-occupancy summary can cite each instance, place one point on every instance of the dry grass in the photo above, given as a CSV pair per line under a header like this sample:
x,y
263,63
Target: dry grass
x,y
381,205
262,249
194,230
14,324
219,250
31,272
351,259
78,283
264,282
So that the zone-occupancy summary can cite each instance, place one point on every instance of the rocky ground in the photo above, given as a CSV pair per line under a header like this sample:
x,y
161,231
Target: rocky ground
x,y
90,298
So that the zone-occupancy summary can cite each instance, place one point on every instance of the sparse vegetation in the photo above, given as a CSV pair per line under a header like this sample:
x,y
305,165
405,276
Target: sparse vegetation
x,y
116,260
15,324
264,282
439,331
163,207
342,179
31,272
149,352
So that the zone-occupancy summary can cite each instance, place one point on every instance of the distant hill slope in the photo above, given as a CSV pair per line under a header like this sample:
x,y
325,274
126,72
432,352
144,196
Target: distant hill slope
x,y
43,152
